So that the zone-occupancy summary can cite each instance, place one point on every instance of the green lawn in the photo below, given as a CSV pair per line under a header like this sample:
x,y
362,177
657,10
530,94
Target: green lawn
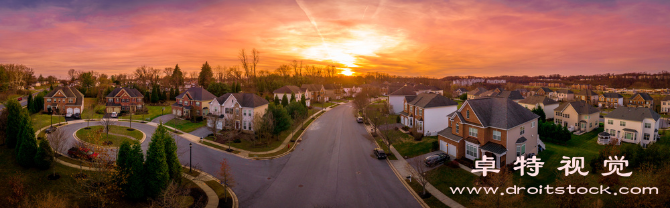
x,y
411,148
220,191
87,135
386,149
154,112
42,120
90,107
430,201
322,105
185,125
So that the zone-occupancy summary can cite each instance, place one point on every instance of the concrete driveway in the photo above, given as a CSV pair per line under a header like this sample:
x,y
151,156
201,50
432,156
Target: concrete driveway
x,y
164,118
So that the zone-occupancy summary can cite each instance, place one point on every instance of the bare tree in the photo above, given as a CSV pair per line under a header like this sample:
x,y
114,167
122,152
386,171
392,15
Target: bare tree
x,y
73,74
244,60
255,55
419,172
220,73
58,141
193,75
106,122
263,126
171,196
226,178
214,119
284,70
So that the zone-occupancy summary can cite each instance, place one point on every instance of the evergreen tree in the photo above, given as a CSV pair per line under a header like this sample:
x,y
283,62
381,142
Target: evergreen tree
x,y
282,120
147,97
44,156
156,167
303,100
122,158
172,96
165,96
177,77
39,103
135,182
51,88
540,112
174,167
154,95
292,98
284,101
276,101
14,116
206,75
176,92
27,145
31,104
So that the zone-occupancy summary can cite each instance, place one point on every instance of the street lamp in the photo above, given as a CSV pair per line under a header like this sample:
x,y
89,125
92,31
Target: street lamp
x,y
190,157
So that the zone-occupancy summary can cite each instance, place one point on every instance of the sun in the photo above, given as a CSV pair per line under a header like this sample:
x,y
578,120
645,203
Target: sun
x,y
347,72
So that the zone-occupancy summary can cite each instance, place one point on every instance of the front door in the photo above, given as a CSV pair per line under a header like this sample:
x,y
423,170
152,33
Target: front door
x,y
237,124
583,126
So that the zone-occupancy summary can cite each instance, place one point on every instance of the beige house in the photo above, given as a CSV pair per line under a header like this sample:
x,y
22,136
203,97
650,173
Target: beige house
x,y
665,105
578,116
547,105
563,95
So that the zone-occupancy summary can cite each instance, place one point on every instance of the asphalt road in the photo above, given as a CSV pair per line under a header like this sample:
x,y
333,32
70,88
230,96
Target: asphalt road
x,y
23,101
333,167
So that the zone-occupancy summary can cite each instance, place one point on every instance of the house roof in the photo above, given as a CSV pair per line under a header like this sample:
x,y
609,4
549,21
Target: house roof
x,y
564,91
612,95
666,98
521,140
426,87
132,92
477,91
514,95
447,134
68,91
311,87
197,93
631,130
604,133
331,86
545,89
580,106
429,100
644,96
587,93
289,89
633,114
501,113
409,98
247,100
405,90
536,99
462,89
493,147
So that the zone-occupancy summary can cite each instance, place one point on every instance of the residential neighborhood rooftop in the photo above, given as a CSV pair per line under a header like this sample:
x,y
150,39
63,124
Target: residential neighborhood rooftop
x,y
429,100
501,113
633,114
536,99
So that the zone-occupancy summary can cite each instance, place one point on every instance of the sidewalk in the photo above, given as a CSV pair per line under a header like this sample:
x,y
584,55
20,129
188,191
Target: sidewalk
x,y
401,166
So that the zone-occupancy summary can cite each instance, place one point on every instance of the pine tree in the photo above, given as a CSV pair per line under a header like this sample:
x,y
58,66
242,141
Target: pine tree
x,y
147,97
176,92
284,100
303,100
276,101
27,145
292,97
156,167
154,95
31,104
282,120
174,167
122,158
44,156
172,94
135,182
206,75
14,116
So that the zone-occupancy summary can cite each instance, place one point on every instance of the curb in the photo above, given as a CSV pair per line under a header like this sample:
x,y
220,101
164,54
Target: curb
x,y
230,191
402,180
296,141
144,137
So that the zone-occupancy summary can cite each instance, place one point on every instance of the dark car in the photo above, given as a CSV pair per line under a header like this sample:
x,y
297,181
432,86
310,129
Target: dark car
x,y
359,119
76,115
82,153
50,130
379,153
433,160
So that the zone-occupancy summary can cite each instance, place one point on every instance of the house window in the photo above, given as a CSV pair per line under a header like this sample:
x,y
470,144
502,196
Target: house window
x,y
473,132
471,150
69,100
244,126
48,99
586,117
467,114
521,150
646,136
590,125
197,103
610,121
629,135
245,112
566,115
622,123
647,125
532,124
612,132
496,135
523,130
457,128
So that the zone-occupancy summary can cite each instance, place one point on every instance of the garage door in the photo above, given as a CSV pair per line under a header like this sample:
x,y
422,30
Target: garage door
x,y
174,112
69,112
76,110
219,125
443,146
452,151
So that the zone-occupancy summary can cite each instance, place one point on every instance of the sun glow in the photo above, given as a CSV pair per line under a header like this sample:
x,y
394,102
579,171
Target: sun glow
x,y
347,72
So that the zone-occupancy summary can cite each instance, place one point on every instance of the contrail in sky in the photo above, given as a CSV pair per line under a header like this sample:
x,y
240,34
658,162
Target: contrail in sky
x,y
309,16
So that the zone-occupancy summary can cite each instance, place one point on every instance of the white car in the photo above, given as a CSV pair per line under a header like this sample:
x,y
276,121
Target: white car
x,y
114,115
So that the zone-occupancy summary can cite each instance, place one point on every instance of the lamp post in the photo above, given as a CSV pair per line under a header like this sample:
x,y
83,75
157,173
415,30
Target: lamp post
x,y
190,157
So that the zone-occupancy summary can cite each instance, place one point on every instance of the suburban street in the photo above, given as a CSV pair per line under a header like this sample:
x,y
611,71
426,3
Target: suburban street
x,y
332,167
23,102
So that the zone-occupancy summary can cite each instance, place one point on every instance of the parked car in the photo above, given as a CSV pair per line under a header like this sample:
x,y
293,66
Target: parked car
x,y
20,98
76,115
68,115
379,153
114,115
82,153
50,130
436,159
359,119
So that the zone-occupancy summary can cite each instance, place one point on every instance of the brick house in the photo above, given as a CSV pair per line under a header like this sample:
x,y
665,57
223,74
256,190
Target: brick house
x,y
124,99
289,90
496,127
427,112
64,100
316,92
236,111
544,91
610,100
195,98
587,95
333,91
641,100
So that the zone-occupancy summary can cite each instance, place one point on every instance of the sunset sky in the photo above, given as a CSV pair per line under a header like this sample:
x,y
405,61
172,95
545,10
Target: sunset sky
x,y
401,37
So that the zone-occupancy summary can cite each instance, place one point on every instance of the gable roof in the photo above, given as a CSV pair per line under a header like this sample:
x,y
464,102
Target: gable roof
x,y
429,100
247,100
633,114
462,89
535,99
587,93
545,89
580,106
612,95
312,87
666,98
132,92
645,96
68,91
426,87
197,93
564,91
331,86
405,90
289,89
477,91
514,95
501,113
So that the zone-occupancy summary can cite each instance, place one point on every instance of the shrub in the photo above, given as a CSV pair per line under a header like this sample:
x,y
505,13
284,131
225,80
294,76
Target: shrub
x,y
405,128
417,136
44,156
453,164
436,145
237,141
397,119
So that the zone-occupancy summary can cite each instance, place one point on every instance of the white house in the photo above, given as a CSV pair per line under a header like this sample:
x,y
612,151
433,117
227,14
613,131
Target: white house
x,y
563,95
427,112
397,98
665,105
633,125
292,90
351,91
548,105
236,111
